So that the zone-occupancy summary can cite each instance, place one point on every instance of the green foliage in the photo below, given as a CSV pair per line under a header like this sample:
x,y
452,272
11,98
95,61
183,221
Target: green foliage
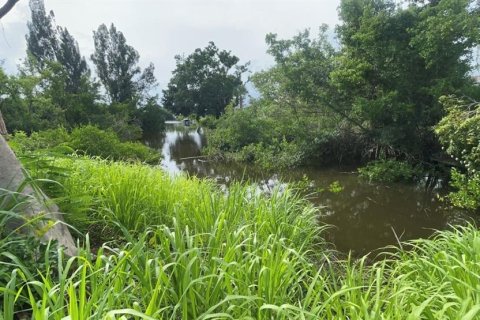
x,y
152,118
389,171
467,190
19,248
204,83
459,133
239,128
194,252
87,140
209,122
136,151
335,187
397,60
46,139
267,134
247,135
116,64
93,141
54,86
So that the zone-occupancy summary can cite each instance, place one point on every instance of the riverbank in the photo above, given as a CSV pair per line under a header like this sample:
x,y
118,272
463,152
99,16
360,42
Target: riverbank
x,y
181,248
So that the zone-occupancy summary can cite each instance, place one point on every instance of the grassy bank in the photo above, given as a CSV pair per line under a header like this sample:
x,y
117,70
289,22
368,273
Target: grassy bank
x,y
184,249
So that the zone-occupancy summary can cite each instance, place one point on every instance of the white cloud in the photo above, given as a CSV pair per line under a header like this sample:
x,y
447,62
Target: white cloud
x,y
160,29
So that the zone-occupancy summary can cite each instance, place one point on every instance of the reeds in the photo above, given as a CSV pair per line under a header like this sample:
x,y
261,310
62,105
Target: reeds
x,y
191,251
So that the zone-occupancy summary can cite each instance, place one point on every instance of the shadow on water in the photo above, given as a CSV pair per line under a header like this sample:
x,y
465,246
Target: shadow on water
x,y
364,216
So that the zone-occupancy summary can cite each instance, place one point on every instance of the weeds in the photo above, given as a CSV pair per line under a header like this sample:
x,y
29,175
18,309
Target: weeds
x,y
190,251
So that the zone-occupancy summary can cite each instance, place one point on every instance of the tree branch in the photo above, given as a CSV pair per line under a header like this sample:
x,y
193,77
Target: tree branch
x,y
7,7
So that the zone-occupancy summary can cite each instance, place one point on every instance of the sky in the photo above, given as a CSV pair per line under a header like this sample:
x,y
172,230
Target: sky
x,y
161,29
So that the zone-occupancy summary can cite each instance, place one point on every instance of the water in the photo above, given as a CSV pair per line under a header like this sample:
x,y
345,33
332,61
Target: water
x,y
364,216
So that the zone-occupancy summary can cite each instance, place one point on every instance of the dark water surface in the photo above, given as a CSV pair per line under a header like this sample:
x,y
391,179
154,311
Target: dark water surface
x,y
364,216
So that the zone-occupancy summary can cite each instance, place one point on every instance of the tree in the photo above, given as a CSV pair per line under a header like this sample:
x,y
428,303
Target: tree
x,y
396,61
116,64
74,64
42,42
204,82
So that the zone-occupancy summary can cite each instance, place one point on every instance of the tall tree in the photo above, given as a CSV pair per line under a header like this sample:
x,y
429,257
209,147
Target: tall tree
x,y
205,82
48,44
116,64
68,55
42,42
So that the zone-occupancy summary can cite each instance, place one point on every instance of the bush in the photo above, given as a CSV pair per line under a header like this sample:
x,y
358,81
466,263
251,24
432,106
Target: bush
x,y
39,140
137,151
92,141
152,118
239,128
275,155
389,171
87,140
459,134
467,190
208,121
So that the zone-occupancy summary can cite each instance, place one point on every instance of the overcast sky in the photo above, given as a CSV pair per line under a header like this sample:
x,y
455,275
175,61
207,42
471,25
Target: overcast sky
x,y
160,29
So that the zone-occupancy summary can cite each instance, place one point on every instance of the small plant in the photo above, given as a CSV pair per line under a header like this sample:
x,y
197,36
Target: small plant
x,y
335,187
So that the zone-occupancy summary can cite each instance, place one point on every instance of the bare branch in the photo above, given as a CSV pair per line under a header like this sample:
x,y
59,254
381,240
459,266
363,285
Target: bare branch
x,y
7,7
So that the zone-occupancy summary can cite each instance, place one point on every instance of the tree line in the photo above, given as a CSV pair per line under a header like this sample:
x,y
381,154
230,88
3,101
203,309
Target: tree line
x,y
374,95
54,86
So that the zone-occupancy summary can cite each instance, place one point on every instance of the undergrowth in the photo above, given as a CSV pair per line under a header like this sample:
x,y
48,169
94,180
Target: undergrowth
x,y
192,251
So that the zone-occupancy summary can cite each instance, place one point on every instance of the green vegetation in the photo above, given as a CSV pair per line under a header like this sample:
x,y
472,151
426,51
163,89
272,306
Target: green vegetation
x,y
459,133
375,96
390,171
54,86
87,140
192,252
204,83
154,246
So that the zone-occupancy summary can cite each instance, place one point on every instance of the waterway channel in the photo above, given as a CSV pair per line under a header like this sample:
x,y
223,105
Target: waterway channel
x,y
364,216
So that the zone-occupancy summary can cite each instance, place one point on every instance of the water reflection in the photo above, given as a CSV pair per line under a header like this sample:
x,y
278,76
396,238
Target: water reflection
x,y
365,216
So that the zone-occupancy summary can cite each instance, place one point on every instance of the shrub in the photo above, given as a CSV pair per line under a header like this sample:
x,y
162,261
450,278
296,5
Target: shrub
x,y
91,140
239,128
39,140
152,118
459,133
467,190
137,152
208,121
389,171
87,140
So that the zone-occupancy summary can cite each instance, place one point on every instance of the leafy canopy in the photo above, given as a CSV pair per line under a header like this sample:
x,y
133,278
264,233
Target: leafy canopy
x,y
205,82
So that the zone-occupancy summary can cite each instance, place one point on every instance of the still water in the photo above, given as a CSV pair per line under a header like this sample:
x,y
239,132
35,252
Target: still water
x,y
363,216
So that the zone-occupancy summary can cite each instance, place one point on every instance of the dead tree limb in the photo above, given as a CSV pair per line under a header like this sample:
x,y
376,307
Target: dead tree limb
x,y
7,7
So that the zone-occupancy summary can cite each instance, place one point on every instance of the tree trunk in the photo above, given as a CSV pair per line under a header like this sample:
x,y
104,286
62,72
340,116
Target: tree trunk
x,y
3,128
36,204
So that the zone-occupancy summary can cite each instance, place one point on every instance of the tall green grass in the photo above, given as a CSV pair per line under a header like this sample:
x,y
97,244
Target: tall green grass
x,y
192,251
